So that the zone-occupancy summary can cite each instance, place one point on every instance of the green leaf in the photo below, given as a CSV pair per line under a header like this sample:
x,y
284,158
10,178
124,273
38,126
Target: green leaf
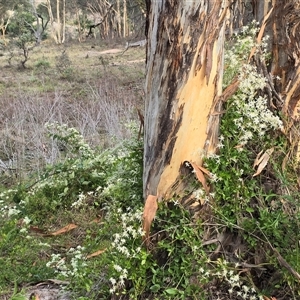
x,y
171,291
249,209
155,288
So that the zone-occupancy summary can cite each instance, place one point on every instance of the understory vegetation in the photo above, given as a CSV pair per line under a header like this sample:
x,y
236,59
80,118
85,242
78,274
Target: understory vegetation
x,y
75,215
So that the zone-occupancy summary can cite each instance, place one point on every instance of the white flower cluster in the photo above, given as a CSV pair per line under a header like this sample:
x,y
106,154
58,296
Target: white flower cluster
x,y
237,51
201,196
71,268
81,199
9,211
123,241
25,222
129,233
255,117
122,276
71,137
237,286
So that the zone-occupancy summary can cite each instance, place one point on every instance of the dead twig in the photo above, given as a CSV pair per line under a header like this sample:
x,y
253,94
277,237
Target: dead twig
x,y
281,260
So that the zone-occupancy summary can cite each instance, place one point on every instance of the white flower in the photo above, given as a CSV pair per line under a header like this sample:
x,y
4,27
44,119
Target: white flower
x,y
220,145
26,220
13,211
121,282
245,288
176,201
214,177
117,268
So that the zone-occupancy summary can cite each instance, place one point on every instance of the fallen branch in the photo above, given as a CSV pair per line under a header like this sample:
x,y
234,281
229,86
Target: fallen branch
x,y
141,43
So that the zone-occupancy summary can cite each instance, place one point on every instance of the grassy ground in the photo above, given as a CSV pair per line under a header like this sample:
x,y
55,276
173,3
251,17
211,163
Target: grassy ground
x,y
88,61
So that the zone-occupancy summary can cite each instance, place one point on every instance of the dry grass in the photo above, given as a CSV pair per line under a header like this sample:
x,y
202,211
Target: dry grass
x,y
75,85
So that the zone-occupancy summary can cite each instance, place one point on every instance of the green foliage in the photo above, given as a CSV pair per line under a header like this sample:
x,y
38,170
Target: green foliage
x,y
85,182
21,30
16,247
262,210
20,23
18,295
64,66
179,255
42,64
84,21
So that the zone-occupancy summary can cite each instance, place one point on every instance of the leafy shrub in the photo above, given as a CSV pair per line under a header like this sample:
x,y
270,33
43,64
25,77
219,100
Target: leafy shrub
x,y
81,182
64,66
42,64
249,202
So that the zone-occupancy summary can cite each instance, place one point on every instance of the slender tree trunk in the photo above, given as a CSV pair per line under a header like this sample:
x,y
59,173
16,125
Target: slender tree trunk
x,y
58,33
283,72
79,25
119,27
50,12
125,18
64,22
3,27
286,53
183,85
55,27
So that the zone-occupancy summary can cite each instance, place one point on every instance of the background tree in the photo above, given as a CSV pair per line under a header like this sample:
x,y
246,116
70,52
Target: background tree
x,y
284,65
6,12
22,31
41,19
57,20
116,18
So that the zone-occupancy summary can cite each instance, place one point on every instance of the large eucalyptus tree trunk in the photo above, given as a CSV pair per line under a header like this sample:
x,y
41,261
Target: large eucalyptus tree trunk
x,y
183,85
286,53
283,28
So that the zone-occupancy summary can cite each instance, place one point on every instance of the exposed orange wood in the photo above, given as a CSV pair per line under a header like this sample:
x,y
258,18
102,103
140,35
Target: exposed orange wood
x,y
197,99
183,89
148,216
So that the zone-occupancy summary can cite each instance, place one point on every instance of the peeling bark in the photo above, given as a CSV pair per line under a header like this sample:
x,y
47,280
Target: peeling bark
x,y
284,70
184,71
286,54
284,31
